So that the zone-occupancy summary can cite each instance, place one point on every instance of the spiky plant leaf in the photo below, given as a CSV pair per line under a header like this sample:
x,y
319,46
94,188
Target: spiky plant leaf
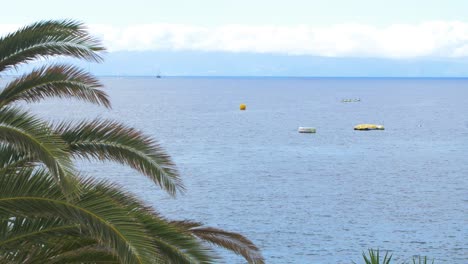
x,y
374,257
422,260
48,38
109,140
31,135
49,240
34,194
228,240
59,249
91,254
174,246
11,158
178,247
62,81
34,230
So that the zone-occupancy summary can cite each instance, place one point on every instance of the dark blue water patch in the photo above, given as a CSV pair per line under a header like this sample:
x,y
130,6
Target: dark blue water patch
x,y
305,198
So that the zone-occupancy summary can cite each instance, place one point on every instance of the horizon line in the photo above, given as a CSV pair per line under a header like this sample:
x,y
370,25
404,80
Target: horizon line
x,y
285,76
266,76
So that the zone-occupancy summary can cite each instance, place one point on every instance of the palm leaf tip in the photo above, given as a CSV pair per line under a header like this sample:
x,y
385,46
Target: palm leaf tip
x,y
235,242
62,81
109,140
48,38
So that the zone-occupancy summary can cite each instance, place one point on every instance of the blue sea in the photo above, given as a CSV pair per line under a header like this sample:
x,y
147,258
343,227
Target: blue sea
x,y
304,198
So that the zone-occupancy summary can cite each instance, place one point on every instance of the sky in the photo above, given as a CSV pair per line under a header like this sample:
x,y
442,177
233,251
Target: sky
x,y
246,12
393,29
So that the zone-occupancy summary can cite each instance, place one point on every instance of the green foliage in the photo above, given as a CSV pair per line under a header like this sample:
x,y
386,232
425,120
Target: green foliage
x,y
62,81
373,257
421,260
48,213
48,38
25,133
109,140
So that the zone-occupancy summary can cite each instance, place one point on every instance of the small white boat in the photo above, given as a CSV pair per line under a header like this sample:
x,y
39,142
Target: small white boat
x,y
306,130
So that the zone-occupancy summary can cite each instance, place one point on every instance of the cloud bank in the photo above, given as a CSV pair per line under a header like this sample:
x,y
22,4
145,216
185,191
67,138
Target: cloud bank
x,y
437,39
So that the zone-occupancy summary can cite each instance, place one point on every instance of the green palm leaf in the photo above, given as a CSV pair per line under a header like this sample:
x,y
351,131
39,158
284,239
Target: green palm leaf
x,y
34,205
119,222
34,194
174,246
59,241
56,249
108,140
61,81
91,254
30,135
228,240
48,38
30,229
11,158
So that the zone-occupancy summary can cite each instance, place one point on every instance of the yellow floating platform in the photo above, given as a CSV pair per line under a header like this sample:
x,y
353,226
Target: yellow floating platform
x,y
369,127
243,107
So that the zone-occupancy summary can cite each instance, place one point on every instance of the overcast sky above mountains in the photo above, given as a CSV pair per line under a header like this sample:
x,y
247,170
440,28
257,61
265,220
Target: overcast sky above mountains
x,y
267,38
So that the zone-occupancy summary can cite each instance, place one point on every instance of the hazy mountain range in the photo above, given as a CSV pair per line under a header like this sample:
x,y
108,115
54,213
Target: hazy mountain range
x,y
196,63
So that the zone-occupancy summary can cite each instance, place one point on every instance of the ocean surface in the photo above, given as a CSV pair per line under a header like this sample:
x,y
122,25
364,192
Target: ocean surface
x,y
304,198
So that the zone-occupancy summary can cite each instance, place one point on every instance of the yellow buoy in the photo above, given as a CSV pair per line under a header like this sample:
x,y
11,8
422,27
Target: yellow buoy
x,y
242,107
369,127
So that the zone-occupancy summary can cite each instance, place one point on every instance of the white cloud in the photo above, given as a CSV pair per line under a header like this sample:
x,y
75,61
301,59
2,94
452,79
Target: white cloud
x,y
429,39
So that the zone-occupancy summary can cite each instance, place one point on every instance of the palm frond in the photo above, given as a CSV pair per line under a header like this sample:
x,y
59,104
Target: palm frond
x,y
59,249
48,38
33,193
108,140
228,240
120,222
173,246
31,135
49,240
62,81
20,229
28,254
11,158
89,254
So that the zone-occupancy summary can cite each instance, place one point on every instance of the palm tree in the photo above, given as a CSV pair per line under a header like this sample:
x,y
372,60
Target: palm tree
x,y
48,213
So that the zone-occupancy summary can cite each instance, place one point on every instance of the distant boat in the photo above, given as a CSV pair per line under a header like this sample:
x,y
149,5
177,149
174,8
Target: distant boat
x,y
158,76
306,130
351,100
